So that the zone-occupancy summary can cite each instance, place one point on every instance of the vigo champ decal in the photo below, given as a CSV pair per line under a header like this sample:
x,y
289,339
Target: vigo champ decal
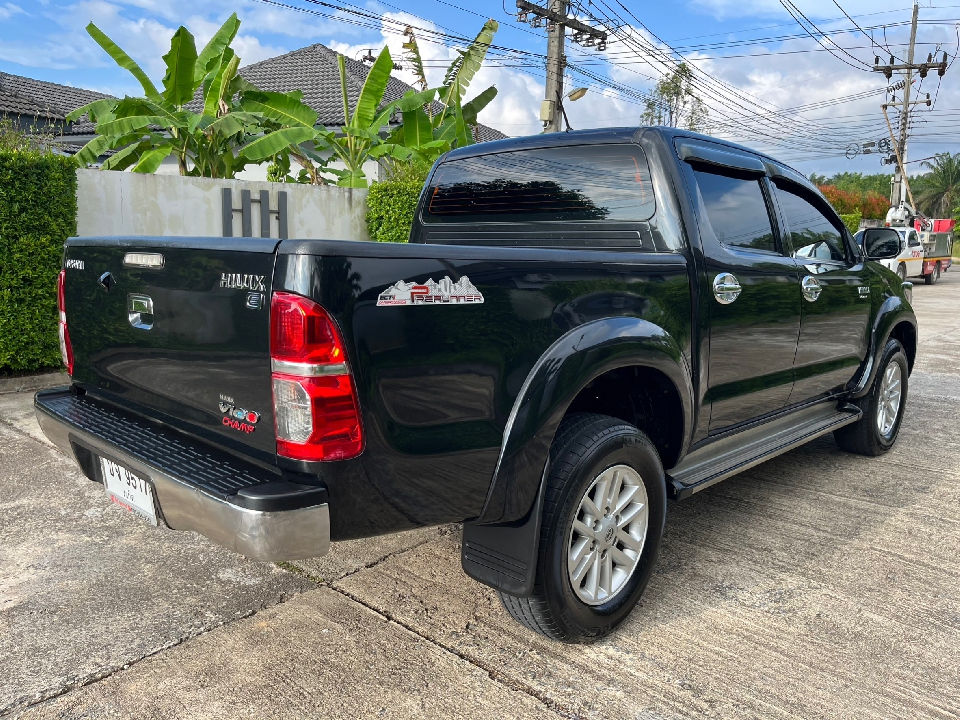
x,y
234,281
238,418
445,292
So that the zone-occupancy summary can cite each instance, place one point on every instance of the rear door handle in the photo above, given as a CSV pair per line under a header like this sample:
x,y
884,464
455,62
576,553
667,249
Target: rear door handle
x,y
726,288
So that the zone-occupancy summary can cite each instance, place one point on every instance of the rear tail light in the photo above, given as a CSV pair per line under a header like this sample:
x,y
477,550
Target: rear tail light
x,y
66,349
314,398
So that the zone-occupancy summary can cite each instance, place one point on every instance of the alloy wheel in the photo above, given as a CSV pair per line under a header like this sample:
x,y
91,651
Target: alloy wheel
x,y
608,534
889,402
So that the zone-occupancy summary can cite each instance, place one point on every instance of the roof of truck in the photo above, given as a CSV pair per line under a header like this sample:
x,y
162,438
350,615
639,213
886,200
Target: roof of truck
x,y
598,136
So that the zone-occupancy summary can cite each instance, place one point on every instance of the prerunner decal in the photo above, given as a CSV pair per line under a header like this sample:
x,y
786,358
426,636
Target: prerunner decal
x,y
445,292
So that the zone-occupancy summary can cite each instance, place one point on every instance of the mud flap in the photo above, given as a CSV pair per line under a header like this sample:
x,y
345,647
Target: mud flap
x,y
504,556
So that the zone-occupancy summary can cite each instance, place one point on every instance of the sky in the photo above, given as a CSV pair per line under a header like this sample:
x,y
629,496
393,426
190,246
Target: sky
x,y
764,80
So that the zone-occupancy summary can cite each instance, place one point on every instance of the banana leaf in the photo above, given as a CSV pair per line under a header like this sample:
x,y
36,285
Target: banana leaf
x,y
283,107
371,94
96,110
471,109
214,48
90,152
181,61
122,59
353,178
122,126
215,91
122,159
277,141
151,159
468,62
417,128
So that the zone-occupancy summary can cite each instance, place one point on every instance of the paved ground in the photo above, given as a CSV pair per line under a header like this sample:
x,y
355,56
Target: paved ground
x,y
817,585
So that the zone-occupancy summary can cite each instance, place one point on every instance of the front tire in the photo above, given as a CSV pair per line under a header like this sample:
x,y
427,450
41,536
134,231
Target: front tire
x,y
603,519
902,271
883,407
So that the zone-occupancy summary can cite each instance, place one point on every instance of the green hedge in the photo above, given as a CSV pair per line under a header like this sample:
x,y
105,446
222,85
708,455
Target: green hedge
x,y
38,212
852,221
391,206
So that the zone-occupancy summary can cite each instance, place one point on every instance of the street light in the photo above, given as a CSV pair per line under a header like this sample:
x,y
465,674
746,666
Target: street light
x,y
573,95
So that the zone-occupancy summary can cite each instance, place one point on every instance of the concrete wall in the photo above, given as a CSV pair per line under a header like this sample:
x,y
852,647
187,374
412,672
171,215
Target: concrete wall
x,y
124,203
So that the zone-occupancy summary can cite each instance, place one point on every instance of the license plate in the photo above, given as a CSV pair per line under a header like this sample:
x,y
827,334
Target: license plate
x,y
129,491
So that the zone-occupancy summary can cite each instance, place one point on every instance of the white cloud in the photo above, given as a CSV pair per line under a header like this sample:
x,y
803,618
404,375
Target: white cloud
x,y
8,10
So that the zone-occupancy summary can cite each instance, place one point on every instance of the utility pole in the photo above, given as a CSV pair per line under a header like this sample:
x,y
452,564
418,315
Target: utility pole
x,y
899,188
557,23
556,63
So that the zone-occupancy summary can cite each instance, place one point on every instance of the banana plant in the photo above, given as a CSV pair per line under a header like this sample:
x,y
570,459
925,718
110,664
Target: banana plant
x,y
218,141
428,131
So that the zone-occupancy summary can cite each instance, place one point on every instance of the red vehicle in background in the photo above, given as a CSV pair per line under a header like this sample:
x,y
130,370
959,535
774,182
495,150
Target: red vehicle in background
x,y
937,238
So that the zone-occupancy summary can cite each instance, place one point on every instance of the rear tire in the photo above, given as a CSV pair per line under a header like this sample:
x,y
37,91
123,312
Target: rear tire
x,y
934,275
874,434
591,575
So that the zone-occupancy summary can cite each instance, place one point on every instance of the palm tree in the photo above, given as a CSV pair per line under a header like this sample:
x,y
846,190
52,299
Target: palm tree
x,y
941,185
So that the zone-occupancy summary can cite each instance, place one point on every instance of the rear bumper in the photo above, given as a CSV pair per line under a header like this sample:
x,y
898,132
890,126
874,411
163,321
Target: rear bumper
x,y
258,516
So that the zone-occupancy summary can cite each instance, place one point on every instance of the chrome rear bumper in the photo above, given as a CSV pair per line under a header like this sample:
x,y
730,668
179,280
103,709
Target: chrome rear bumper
x,y
289,534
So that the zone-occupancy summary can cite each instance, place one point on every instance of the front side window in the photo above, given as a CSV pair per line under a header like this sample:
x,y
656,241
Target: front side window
x,y
571,184
736,209
813,235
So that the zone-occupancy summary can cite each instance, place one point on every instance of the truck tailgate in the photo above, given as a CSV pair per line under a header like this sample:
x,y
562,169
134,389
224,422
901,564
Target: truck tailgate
x,y
179,328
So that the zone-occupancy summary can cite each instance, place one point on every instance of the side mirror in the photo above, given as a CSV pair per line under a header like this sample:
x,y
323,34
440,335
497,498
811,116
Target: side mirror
x,y
882,243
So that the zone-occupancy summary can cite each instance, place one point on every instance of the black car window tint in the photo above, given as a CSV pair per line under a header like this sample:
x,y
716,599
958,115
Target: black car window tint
x,y
581,183
736,209
812,234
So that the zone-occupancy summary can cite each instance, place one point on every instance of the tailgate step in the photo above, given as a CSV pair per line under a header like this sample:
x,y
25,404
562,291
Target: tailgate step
x,y
211,471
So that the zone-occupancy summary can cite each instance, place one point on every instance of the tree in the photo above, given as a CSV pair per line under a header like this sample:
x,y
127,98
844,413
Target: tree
x,y
434,119
941,191
229,131
674,103
430,129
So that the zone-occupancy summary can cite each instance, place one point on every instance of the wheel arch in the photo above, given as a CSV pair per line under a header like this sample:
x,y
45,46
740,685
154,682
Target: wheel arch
x,y
896,319
591,353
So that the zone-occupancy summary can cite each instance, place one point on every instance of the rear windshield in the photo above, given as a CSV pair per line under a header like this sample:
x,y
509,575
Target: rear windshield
x,y
571,184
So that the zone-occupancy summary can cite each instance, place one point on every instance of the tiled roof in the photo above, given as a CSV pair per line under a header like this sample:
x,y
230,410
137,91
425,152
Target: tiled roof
x,y
313,70
45,100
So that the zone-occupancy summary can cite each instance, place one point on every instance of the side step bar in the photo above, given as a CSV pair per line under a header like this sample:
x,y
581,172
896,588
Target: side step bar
x,y
733,454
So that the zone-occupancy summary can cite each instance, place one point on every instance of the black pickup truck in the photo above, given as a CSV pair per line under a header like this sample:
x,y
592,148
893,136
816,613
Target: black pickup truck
x,y
582,326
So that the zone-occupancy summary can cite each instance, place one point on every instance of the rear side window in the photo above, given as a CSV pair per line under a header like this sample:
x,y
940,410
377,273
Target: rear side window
x,y
736,209
567,184
812,234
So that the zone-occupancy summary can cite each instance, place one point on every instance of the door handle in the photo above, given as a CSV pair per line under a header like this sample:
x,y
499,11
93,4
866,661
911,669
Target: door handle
x,y
726,288
811,288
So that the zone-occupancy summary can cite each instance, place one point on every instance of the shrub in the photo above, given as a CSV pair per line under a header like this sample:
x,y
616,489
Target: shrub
x,y
874,206
38,212
868,204
391,206
852,221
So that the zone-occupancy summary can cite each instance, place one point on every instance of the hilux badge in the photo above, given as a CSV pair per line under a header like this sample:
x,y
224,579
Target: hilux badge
x,y
235,281
445,292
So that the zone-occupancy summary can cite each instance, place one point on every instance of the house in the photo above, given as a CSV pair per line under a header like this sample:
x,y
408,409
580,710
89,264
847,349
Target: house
x,y
312,69
39,106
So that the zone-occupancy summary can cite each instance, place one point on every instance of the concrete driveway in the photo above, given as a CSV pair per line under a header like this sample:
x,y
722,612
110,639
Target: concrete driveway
x,y
817,585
